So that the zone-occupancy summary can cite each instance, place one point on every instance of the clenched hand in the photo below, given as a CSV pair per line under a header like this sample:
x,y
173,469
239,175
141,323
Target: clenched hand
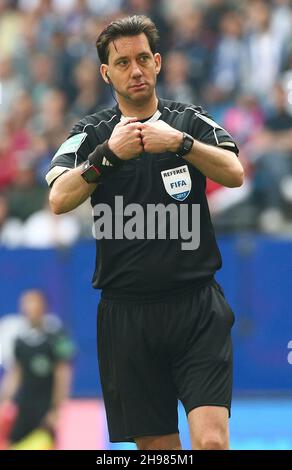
x,y
159,137
125,140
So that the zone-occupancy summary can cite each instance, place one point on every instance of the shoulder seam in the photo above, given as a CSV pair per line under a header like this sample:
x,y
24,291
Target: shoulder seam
x,y
90,124
206,119
180,112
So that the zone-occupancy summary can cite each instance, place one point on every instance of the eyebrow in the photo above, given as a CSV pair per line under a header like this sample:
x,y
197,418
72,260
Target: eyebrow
x,y
120,58
126,57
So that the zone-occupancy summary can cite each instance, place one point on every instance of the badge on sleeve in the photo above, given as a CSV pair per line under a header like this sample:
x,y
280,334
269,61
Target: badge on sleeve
x,y
177,182
71,145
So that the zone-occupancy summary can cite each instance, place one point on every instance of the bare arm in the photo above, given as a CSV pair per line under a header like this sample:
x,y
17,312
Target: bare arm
x,y
10,383
69,191
218,164
62,383
61,392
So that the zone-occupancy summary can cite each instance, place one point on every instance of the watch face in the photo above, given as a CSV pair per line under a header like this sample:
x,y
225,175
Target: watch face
x,y
90,173
187,143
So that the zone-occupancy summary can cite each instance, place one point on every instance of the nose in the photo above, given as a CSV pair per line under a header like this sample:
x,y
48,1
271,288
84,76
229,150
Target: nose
x,y
136,72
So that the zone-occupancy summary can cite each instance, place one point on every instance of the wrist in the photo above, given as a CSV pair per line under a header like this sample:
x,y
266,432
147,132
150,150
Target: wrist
x,y
5,399
112,149
101,161
55,407
176,142
186,145
103,156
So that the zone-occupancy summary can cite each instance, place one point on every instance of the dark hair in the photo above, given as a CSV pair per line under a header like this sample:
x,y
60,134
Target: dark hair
x,y
129,26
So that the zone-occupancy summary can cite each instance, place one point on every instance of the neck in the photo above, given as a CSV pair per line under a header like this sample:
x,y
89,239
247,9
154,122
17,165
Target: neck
x,y
37,324
141,110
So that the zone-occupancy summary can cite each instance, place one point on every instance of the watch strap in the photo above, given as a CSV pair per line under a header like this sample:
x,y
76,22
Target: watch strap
x,y
186,145
102,161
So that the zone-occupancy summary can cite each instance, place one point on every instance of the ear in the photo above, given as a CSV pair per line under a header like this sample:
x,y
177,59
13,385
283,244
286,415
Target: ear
x,y
157,59
104,70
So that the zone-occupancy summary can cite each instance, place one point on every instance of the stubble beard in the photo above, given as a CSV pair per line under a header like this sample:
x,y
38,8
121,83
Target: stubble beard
x,y
138,98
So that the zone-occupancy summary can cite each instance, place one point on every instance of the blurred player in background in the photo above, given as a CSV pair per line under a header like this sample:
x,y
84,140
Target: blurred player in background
x,y
164,324
38,382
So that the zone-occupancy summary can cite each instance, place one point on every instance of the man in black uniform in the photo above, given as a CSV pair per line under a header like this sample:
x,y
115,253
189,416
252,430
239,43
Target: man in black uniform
x,y
163,323
39,380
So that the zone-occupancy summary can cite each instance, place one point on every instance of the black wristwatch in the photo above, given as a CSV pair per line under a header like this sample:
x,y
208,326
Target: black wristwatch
x,y
186,145
90,173
102,161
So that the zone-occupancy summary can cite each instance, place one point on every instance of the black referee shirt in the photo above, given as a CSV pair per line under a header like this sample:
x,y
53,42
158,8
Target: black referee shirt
x,y
149,267
38,352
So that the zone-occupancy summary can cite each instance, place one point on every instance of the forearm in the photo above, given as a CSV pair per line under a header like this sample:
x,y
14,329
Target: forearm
x,y
69,191
62,385
219,165
10,384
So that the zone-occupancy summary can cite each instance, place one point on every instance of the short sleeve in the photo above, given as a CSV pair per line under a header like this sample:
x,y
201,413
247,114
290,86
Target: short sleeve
x,y
63,348
72,152
209,132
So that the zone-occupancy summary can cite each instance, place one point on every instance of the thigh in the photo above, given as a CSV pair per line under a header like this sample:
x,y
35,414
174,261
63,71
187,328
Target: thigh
x,y
203,370
28,419
139,395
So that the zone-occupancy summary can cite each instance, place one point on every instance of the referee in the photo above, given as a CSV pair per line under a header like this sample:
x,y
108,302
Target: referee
x,y
163,322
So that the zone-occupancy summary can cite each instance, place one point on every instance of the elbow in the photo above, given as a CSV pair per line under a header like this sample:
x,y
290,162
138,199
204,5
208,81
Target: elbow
x,y
236,177
56,204
237,180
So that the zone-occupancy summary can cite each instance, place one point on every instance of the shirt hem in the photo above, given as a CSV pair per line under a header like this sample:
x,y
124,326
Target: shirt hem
x,y
116,295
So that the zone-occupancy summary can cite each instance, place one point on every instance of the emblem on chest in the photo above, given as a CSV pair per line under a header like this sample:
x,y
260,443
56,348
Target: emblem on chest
x,y
177,182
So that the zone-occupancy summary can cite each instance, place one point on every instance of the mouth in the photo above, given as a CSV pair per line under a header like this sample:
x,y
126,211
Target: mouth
x,y
139,86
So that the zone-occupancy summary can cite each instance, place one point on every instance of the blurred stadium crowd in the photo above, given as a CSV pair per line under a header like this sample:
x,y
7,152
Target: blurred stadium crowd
x,y
232,57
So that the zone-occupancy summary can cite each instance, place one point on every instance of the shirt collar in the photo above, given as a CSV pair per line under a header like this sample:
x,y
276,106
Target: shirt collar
x,y
152,118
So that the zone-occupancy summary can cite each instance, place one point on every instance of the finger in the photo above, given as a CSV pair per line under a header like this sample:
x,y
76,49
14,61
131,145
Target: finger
x,y
140,146
127,120
138,125
134,126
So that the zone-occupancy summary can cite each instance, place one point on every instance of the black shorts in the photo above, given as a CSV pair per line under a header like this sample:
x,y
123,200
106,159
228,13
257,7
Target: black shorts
x,y
152,354
29,418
